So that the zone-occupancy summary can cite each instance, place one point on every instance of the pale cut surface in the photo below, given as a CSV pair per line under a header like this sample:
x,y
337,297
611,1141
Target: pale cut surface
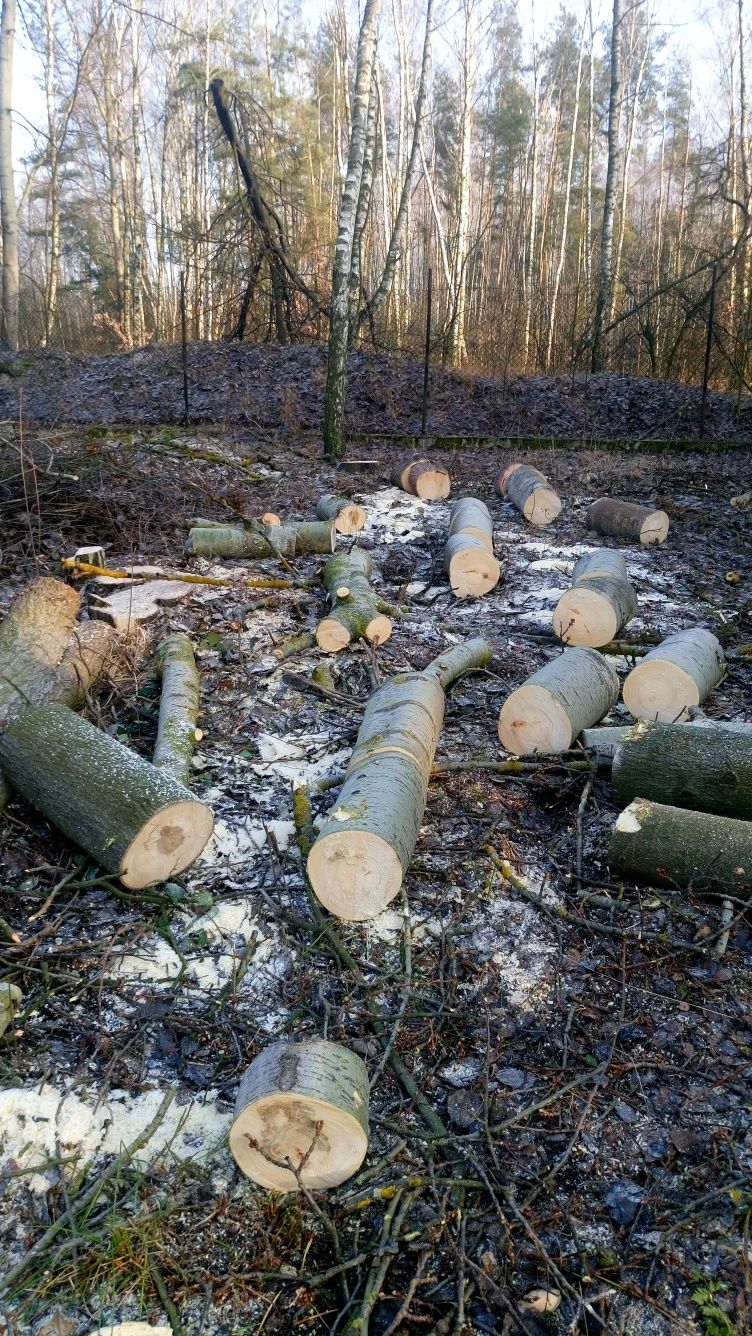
x,y
532,721
432,484
284,1126
473,572
355,873
351,519
332,636
584,617
169,842
657,689
542,506
655,528
378,630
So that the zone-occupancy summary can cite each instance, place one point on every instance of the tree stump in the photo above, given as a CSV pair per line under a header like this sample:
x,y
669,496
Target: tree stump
x,y
530,491
678,673
628,521
668,845
550,710
600,602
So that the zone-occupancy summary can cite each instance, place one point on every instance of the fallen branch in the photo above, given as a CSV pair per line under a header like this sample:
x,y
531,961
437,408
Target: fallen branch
x,y
185,577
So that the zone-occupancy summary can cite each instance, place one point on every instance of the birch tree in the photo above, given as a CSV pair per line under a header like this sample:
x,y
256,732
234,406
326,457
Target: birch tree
x,y
7,183
605,266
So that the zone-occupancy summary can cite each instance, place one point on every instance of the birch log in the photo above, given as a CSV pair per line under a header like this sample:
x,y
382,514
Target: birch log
x,y
677,674
136,821
178,707
470,563
551,709
366,842
624,519
422,478
355,611
707,769
530,491
306,1105
600,602
34,635
348,517
670,845
280,540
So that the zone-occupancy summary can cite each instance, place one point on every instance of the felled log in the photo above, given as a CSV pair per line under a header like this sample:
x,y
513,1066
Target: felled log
x,y
678,673
178,707
551,709
355,610
34,635
626,520
604,741
470,563
422,478
349,518
280,540
660,844
136,821
707,769
366,842
600,602
530,491
306,1105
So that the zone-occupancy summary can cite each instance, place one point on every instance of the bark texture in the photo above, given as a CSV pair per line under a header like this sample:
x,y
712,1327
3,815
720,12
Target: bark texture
x,y
34,636
8,207
530,491
600,602
178,707
628,521
707,769
677,674
278,540
698,850
355,612
550,710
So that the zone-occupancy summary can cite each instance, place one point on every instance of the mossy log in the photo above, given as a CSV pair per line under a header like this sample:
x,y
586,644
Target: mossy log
x,y
469,559
667,845
34,635
281,540
707,769
135,820
530,492
550,710
178,707
303,1105
348,517
626,520
355,610
677,674
600,602
422,478
366,842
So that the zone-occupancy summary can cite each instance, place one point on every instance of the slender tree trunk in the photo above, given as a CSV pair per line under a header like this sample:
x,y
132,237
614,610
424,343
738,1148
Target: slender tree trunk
x,y
567,199
605,268
456,334
530,259
7,183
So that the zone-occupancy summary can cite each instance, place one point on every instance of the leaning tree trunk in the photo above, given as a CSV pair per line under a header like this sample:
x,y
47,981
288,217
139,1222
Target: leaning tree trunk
x,y
551,709
34,636
8,210
628,521
676,675
695,850
178,707
136,821
356,611
365,844
303,1105
530,491
706,768
274,540
600,602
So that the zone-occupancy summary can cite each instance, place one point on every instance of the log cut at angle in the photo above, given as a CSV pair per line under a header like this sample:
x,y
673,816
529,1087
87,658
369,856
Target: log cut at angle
x,y
366,841
348,517
306,1105
666,845
469,558
677,674
136,821
422,478
707,767
530,492
600,602
207,539
624,519
550,710
356,611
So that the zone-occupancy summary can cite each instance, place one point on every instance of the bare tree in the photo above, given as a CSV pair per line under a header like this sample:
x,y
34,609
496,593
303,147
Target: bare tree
x,y
605,268
7,184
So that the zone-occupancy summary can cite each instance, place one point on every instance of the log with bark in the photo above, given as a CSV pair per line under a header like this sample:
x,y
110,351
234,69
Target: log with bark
x,y
550,710
349,518
628,521
707,768
660,844
356,611
530,491
366,842
600,602
422,478
179,706
281,540
677,674
136,821
34,635
304,1107
470,562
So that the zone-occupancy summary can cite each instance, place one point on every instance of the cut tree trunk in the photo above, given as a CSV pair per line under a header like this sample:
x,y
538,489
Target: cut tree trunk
x,y
604,741
670,845
33,638
707,769
303,1105
136,821
677,674
178,707
551,709
282,540
600,602
349,518
422,478
366,842
470,563
530,491
626,520
355,612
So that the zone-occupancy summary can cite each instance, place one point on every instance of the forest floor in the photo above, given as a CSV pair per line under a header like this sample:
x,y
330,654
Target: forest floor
x,y
586,1046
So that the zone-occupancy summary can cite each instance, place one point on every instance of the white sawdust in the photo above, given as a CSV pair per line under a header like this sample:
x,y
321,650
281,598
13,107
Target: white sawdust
x,y
239,839
153,962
